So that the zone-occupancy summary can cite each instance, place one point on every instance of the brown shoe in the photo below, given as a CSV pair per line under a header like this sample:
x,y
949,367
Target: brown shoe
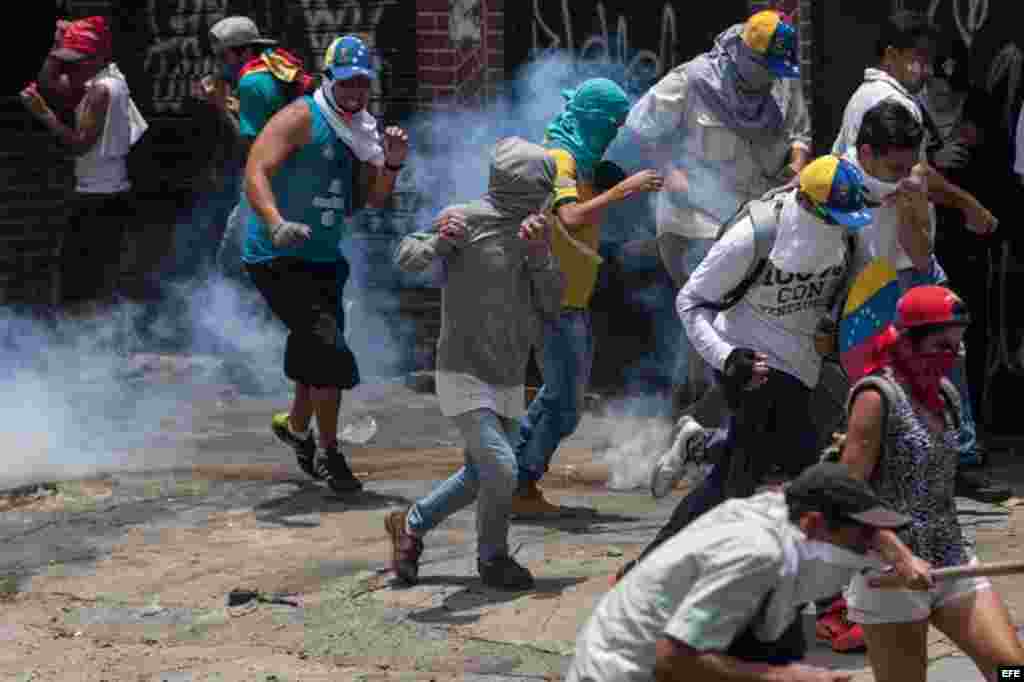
x,y
405,549
529,502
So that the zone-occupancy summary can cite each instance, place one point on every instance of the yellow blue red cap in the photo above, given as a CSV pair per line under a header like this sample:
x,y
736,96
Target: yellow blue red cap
x,y
348,56
836,188
774,40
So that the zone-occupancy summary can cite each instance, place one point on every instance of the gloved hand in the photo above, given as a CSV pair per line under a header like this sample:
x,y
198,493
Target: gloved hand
x,y
287,233
953,154
744,370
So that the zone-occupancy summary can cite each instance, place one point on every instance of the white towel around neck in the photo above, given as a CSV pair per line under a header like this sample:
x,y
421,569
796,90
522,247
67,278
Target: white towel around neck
x,y
804,243
361,136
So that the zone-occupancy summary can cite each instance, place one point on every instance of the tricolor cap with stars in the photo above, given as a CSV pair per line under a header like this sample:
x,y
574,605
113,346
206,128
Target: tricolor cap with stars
x,y
346,57
775,41
836,188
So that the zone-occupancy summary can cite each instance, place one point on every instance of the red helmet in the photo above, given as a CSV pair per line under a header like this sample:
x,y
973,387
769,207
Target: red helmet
x,y
930,306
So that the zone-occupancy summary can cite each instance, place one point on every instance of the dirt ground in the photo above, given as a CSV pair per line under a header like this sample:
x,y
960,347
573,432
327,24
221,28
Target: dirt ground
x,y
150,604
157,604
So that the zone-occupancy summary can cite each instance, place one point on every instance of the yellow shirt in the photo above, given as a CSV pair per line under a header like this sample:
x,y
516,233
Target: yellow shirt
x,y
579,265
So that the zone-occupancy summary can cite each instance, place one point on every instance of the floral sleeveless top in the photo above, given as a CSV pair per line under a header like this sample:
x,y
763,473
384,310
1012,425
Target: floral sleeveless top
x,y
916,475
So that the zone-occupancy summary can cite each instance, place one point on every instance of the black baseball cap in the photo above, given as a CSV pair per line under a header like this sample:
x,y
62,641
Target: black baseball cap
x,y
830,488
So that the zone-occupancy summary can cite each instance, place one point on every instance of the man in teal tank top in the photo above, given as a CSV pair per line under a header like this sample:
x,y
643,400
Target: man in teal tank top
x,y
298,201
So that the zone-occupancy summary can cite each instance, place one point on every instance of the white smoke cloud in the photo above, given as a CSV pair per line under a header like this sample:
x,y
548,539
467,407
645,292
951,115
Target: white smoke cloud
x,y
81,397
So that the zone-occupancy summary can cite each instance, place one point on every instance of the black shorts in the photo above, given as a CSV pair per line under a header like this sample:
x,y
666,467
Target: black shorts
x,y
90,249
306,297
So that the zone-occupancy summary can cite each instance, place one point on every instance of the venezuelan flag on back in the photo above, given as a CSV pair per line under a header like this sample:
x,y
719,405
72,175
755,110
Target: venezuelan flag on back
x,y
870,309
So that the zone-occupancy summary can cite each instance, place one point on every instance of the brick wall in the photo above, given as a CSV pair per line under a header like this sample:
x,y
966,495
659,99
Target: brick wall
x,y
459,51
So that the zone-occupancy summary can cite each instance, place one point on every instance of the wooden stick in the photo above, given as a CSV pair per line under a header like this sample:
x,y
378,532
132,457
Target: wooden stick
x,y
972,570
892,581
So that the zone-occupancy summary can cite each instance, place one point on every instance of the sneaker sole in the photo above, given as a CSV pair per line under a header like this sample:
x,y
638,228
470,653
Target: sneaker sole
x,y
656,491
656,472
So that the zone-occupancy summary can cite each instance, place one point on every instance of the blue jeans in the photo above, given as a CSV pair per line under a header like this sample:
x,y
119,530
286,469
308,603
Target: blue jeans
x,y
488,477
968,438
556,410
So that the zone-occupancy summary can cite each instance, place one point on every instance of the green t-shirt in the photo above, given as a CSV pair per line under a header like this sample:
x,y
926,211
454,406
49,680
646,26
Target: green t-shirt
x,y
260,96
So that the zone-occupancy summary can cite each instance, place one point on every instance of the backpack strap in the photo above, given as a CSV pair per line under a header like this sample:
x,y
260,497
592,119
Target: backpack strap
x,y
887,391
764,216
953,401
837,301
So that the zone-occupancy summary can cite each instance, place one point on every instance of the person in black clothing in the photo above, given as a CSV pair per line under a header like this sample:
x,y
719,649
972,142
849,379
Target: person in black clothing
x,y
967,150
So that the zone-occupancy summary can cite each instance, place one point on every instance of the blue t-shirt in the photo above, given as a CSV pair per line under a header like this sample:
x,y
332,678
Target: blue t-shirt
x,y
260,96
313,186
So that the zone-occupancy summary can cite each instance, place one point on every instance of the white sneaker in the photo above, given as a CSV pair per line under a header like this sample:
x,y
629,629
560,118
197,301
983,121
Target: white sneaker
x,y
686,453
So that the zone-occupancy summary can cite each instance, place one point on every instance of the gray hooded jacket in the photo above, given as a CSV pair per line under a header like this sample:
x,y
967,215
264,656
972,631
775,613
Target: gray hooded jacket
x,y
494,291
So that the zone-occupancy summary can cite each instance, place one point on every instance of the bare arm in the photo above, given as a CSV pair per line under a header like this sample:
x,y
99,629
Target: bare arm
x,y
942,192
588,212
676,661
286,132
800,156
89,125
217,93
382,179
863,446
51,84
914,228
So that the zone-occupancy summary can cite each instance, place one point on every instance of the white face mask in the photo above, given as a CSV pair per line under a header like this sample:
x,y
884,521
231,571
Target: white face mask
x,y
825,569
877,190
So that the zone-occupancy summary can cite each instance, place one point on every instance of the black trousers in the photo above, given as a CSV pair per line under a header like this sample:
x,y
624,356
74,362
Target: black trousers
x,y
90,249
303,295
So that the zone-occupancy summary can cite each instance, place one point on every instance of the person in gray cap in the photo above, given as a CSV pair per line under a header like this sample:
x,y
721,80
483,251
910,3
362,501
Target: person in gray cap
x,y
721,599
256,79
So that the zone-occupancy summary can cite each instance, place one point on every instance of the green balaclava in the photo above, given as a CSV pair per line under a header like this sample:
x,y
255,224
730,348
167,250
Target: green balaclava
x,y
590,121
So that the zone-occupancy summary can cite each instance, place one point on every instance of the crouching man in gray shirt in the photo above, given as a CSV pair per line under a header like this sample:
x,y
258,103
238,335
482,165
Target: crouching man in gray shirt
x,y
720,600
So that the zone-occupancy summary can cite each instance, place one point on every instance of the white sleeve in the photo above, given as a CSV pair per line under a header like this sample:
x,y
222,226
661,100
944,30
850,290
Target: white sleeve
x,y
721,271
1018,157
659,112
798,118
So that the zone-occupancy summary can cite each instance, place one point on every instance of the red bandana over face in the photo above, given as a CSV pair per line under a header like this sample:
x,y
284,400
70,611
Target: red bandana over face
x,y
928,308
924,372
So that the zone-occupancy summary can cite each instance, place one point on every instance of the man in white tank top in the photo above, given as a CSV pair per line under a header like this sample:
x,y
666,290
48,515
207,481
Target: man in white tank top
x,y
106,125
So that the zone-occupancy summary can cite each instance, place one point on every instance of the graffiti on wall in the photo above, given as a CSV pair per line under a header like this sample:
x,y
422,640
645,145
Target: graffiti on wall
x,y
968,15
465,21
966,19
178,52
607,45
